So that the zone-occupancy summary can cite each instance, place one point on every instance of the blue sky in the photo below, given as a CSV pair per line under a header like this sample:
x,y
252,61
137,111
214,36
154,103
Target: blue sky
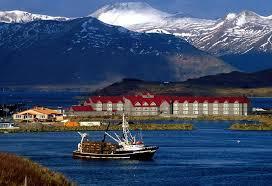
x,y
197,8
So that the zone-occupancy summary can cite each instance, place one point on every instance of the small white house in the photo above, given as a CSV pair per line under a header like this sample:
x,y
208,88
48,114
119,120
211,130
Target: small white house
x,y
38,114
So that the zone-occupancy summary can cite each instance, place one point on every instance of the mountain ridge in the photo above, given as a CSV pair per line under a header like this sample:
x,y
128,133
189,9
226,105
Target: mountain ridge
x,y
220,37
17,16
86,50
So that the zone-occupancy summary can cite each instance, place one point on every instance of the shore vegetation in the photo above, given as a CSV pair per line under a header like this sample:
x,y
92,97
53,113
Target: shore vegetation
x,y
49,128
15,170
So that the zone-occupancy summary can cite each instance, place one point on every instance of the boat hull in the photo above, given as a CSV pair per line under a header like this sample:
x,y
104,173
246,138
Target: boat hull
x,y
145,154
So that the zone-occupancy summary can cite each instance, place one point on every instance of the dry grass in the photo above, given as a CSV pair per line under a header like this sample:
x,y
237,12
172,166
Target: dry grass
x,y
48,128
253,92
265,123
14,170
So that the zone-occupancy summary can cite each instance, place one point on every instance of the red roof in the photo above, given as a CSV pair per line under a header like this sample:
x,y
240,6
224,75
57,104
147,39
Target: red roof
x,y
107,99
79,108
148,99
158,100
202,99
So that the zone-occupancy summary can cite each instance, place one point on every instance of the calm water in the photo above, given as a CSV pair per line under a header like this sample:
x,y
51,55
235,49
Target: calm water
x,y
66,99
34,98
210,155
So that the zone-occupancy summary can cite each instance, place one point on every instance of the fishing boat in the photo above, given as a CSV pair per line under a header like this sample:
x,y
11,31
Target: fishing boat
x,y
126,146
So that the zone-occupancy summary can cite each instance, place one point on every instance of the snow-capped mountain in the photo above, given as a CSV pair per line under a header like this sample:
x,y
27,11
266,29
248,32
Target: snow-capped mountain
x,y
234,34
126,14
86,51
17,16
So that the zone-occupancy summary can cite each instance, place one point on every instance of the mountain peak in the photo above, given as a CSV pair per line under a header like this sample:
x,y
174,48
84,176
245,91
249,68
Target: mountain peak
x,y
249,13
230,16
130,13
18,16
245,17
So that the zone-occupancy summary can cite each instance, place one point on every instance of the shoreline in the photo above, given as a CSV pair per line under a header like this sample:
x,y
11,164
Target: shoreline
x,y
143,127
242,123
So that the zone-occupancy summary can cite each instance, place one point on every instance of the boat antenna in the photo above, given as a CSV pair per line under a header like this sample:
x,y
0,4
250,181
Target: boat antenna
x,y
126,131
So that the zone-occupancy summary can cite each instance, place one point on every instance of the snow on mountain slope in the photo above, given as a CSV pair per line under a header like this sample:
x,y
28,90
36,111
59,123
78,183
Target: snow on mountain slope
x,y
17,16
234,34
237,34
125,14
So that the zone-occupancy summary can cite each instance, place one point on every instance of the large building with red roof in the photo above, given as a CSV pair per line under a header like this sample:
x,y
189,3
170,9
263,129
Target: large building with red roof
x,y
153,105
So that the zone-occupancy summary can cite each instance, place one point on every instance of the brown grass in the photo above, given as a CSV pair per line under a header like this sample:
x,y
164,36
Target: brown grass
x,y
14,170
49,128
265,123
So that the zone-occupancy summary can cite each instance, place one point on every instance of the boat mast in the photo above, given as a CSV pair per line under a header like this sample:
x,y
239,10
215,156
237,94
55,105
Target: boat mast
x,y
126,131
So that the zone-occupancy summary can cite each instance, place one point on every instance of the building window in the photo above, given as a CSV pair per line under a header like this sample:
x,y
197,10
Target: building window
x,y
120,105
215,112
205,106
185,106
236,105
185,112
195,112
205,112
153,104
138,104
195,106
226,108
109,106
175,112
99,106
215,107
225,112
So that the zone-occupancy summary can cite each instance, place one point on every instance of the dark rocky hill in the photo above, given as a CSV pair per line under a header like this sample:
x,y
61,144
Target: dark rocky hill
x,y
234,83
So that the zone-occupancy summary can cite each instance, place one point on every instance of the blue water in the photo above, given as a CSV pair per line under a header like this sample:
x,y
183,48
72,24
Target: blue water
x,y
66,99
41,98
209,155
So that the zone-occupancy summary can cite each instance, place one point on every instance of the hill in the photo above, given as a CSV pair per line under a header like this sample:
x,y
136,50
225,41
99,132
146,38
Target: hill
x,y
230,84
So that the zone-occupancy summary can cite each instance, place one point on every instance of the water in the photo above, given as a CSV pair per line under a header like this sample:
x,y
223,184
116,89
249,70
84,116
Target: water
x,y
66,99
210,155
40,98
